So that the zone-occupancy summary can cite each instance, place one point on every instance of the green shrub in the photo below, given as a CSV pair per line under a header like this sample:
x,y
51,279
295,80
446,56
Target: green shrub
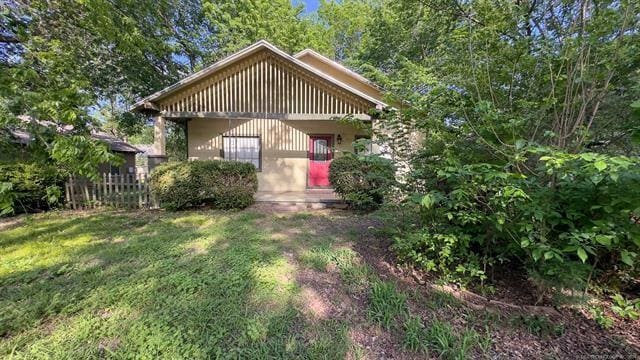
x,y
564,221
362,180
221,184
30,187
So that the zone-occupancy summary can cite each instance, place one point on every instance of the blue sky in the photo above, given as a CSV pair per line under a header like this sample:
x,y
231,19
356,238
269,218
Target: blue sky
x,y
309,5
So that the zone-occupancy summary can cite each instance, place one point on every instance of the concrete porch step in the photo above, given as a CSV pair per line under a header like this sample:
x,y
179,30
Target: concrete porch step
x,y
300,200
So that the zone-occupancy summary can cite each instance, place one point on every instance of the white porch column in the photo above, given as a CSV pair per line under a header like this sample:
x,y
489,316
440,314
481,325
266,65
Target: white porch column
x,y
159,136
375,147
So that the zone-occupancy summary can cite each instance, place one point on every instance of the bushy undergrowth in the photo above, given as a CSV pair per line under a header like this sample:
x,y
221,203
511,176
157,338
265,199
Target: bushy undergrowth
x,y
362,180
221,184
29,187
566,218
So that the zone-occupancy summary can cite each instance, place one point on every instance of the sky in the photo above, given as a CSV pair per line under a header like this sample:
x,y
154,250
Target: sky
x,y
309,5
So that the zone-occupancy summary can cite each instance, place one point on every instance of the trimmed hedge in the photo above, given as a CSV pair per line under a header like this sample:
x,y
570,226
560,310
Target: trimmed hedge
x,y
35,187
221,184
362,180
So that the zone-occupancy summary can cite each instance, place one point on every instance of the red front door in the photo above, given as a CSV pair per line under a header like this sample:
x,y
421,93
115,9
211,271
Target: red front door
x,y
319,160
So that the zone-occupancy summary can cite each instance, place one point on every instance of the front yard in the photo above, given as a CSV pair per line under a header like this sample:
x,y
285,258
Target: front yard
x,y
250,284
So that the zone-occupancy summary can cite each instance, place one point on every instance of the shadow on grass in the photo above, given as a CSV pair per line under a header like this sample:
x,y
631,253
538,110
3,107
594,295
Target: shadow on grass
x,y
181,285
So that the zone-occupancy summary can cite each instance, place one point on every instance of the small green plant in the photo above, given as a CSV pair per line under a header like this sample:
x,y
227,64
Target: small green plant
x,y
414,334
626,309
441,338
485,341
539,325
602,319
467,341
386,303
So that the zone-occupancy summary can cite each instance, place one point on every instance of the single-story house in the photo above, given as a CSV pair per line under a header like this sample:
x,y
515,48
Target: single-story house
x,y
274,110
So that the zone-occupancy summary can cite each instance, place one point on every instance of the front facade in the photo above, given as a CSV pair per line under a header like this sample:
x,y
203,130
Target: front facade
x,y
266,107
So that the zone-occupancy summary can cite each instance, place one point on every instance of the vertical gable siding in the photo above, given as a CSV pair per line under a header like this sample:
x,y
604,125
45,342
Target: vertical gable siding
x,y
265,83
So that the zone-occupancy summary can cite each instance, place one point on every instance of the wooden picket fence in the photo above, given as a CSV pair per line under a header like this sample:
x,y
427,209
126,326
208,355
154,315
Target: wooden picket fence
x,y
120,191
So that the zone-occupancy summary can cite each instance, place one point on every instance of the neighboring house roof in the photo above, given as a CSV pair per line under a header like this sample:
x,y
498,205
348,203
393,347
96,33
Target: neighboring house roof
x,y
242,54
21,136
145,149
115,144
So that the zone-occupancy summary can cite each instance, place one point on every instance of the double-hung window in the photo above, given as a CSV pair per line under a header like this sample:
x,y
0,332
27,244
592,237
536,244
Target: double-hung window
x,y
242,148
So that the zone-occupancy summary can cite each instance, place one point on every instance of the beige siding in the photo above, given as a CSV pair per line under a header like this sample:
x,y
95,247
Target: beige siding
x,y
284,146
264,84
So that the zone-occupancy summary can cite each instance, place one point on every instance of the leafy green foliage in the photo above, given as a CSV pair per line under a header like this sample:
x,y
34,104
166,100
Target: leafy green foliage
x,y
29,187
222,184
601,318
530,147
565,218
81,155
362,180
626,309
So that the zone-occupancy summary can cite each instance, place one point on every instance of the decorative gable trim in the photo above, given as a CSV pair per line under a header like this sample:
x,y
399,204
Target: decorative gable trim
x,y
191,91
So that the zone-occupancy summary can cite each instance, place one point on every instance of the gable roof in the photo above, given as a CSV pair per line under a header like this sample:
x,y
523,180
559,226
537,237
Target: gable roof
x,y
242,54
336,65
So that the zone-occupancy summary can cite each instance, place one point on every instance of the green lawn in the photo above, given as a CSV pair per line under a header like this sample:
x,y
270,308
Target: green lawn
x,y
182,285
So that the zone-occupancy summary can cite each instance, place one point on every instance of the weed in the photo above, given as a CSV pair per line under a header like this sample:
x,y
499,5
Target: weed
x,y
443,339
301,216
602,319
626,309
318,258
485,342
539,325
414,334
352,272
386,303
439,299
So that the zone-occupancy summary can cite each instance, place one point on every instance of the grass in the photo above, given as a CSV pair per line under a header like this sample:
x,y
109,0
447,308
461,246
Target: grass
x,y
386,303
212,284
183,285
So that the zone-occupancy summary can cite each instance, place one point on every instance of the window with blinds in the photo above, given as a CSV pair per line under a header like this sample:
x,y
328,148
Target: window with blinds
x,y
242,148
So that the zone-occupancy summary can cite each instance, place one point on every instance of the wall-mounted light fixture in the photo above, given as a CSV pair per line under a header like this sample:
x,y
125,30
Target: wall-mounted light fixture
x,y
339,139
